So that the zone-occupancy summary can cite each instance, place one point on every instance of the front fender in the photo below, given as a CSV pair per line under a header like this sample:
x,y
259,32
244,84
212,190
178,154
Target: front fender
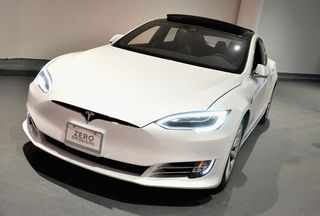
x,y
238,102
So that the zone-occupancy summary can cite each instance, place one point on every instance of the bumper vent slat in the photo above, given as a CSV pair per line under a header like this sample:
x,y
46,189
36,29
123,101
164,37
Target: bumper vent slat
x,y
178,172
173,170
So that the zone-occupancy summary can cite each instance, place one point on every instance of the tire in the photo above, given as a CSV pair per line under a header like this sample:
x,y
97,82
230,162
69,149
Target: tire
x,y
231,158
266,113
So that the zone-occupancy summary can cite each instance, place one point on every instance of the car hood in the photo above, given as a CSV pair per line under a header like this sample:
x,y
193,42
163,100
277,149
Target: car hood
x,y
135,87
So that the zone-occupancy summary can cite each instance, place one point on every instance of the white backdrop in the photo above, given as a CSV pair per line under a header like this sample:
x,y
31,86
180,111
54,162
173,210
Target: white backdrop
x,y
43,29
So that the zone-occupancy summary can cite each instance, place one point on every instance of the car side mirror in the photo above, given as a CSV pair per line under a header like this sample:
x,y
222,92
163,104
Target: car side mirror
x,y
260,71
115,38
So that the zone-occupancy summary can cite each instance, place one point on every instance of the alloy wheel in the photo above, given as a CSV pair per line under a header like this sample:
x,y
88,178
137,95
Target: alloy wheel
x,y
234,152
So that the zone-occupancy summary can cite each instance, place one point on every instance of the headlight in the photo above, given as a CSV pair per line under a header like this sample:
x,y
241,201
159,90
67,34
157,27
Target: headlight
x,y
202,121
44,80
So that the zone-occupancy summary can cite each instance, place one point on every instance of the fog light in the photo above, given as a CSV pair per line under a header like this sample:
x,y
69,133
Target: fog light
x,y
201,168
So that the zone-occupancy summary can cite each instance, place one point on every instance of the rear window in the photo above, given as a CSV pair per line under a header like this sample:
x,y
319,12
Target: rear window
x,y
190,44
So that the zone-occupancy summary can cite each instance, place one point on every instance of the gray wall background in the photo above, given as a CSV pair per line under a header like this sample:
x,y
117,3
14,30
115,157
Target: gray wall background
x,y
44,29
291,32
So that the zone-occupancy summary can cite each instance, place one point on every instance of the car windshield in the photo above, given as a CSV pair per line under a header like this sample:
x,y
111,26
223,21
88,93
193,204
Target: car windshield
x,y
189,44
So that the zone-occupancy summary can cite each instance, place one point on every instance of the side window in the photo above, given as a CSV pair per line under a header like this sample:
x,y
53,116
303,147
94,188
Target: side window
x,y
259,55
264,54
171,34
145,37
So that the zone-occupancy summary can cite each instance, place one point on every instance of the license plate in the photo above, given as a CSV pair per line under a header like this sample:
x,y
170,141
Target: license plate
x,y
84,138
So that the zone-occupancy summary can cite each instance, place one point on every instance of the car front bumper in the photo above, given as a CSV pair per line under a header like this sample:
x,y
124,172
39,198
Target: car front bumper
x,y
150,147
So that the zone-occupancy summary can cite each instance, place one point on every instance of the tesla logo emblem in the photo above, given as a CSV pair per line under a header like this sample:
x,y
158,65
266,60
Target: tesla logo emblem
x,y
88,115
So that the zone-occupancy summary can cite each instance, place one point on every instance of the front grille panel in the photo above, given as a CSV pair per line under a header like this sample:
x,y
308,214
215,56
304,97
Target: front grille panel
x,y
119,166
174,170
96,116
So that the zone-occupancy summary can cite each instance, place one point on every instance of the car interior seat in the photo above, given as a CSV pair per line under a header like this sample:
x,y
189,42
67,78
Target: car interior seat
x,y
191,42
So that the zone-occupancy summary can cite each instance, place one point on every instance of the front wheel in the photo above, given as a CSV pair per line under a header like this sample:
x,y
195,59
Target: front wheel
x,y
266,113
232,158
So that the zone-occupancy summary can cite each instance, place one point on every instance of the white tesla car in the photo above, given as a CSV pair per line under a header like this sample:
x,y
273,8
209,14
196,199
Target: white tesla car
x,y
169,104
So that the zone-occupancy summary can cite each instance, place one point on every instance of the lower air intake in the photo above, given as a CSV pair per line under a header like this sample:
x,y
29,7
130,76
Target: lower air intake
x,y
174,170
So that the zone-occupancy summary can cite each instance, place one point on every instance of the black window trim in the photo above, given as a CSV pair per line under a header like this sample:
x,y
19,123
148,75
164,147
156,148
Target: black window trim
x,y
211,23
259,42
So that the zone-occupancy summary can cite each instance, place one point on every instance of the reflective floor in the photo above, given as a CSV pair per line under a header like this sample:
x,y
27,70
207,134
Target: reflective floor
x,y
277,172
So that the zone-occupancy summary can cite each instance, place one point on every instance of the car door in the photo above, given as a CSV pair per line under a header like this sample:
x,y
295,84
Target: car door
x,y
258,84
